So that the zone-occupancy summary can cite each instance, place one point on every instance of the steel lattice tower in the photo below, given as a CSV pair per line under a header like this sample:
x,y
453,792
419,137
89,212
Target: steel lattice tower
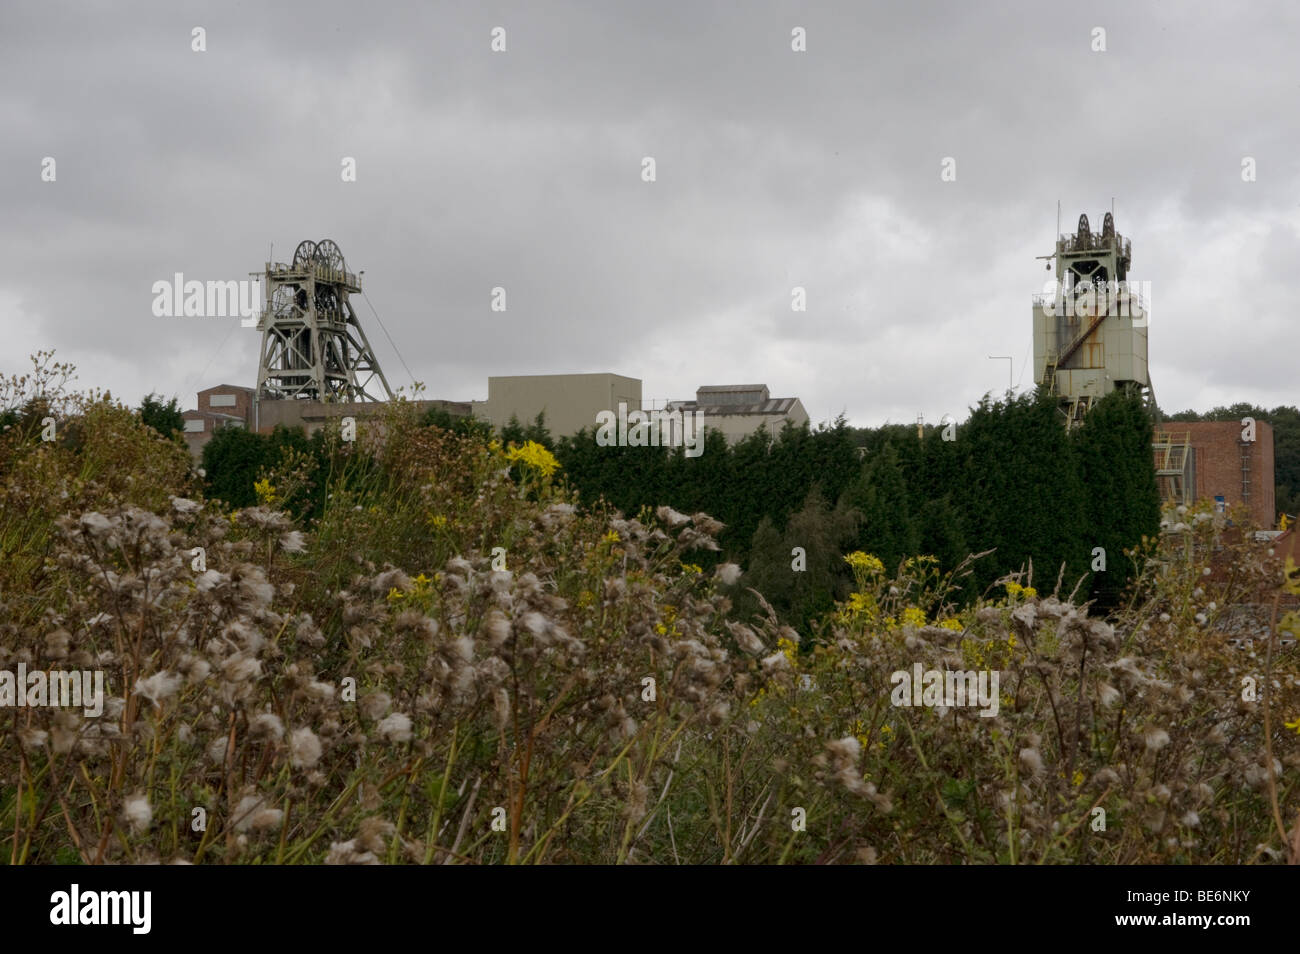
x,y
313,347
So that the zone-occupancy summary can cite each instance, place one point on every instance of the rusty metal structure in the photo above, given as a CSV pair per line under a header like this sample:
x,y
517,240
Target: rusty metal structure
x,y
313,346
1175,465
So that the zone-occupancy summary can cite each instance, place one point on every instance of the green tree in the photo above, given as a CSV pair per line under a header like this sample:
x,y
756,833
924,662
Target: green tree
x,y
1286,458
232,459
940,533
1119,482
539,433
1018,487
514,432
801,596
886,527
164,418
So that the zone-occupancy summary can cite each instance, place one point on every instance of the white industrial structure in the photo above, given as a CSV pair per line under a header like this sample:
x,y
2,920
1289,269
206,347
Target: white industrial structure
x,y
1090,334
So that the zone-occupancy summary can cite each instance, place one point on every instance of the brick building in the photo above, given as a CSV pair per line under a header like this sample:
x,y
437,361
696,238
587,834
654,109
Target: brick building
x,y
1223,465
225,404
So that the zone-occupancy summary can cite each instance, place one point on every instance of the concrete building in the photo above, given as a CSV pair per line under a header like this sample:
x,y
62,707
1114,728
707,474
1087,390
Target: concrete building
x,y
738,410
1223,465
220,406
569,401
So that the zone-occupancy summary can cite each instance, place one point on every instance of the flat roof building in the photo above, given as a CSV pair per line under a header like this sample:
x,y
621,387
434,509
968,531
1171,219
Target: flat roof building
x,y
570,402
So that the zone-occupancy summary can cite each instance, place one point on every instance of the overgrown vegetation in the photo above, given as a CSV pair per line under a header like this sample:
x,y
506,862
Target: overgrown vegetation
x,y
451,660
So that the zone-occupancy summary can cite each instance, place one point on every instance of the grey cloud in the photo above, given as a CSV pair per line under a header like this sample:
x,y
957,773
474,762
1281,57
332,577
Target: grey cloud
x,y
774,169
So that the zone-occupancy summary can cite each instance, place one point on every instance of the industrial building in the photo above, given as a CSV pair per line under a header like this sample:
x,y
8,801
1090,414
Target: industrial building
x,y
572,401
569,401
1229,470
220,406
738,410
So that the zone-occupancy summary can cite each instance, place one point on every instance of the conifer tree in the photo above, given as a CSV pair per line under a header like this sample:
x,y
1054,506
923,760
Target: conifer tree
x,y
886,526
1117,470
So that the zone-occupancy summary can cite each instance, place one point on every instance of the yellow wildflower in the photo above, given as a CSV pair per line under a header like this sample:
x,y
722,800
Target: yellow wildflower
x,y
858,604
265,491
535,457
864,561
788,647
913,617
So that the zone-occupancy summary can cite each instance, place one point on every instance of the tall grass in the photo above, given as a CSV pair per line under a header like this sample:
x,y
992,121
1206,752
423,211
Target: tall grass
x,y
375,687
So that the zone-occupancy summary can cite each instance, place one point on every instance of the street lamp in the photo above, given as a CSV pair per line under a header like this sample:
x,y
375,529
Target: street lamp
x,y
1007,359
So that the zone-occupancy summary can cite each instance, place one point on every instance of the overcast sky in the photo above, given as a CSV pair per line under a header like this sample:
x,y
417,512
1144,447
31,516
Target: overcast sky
x,y
775,168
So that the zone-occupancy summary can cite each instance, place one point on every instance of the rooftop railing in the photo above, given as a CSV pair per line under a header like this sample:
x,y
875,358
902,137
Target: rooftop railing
x,y
320,273
1095,242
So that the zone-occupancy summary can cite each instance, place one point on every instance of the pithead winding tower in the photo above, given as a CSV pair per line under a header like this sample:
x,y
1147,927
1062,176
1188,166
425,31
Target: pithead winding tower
x,y
313,347
1090,335
1090,338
